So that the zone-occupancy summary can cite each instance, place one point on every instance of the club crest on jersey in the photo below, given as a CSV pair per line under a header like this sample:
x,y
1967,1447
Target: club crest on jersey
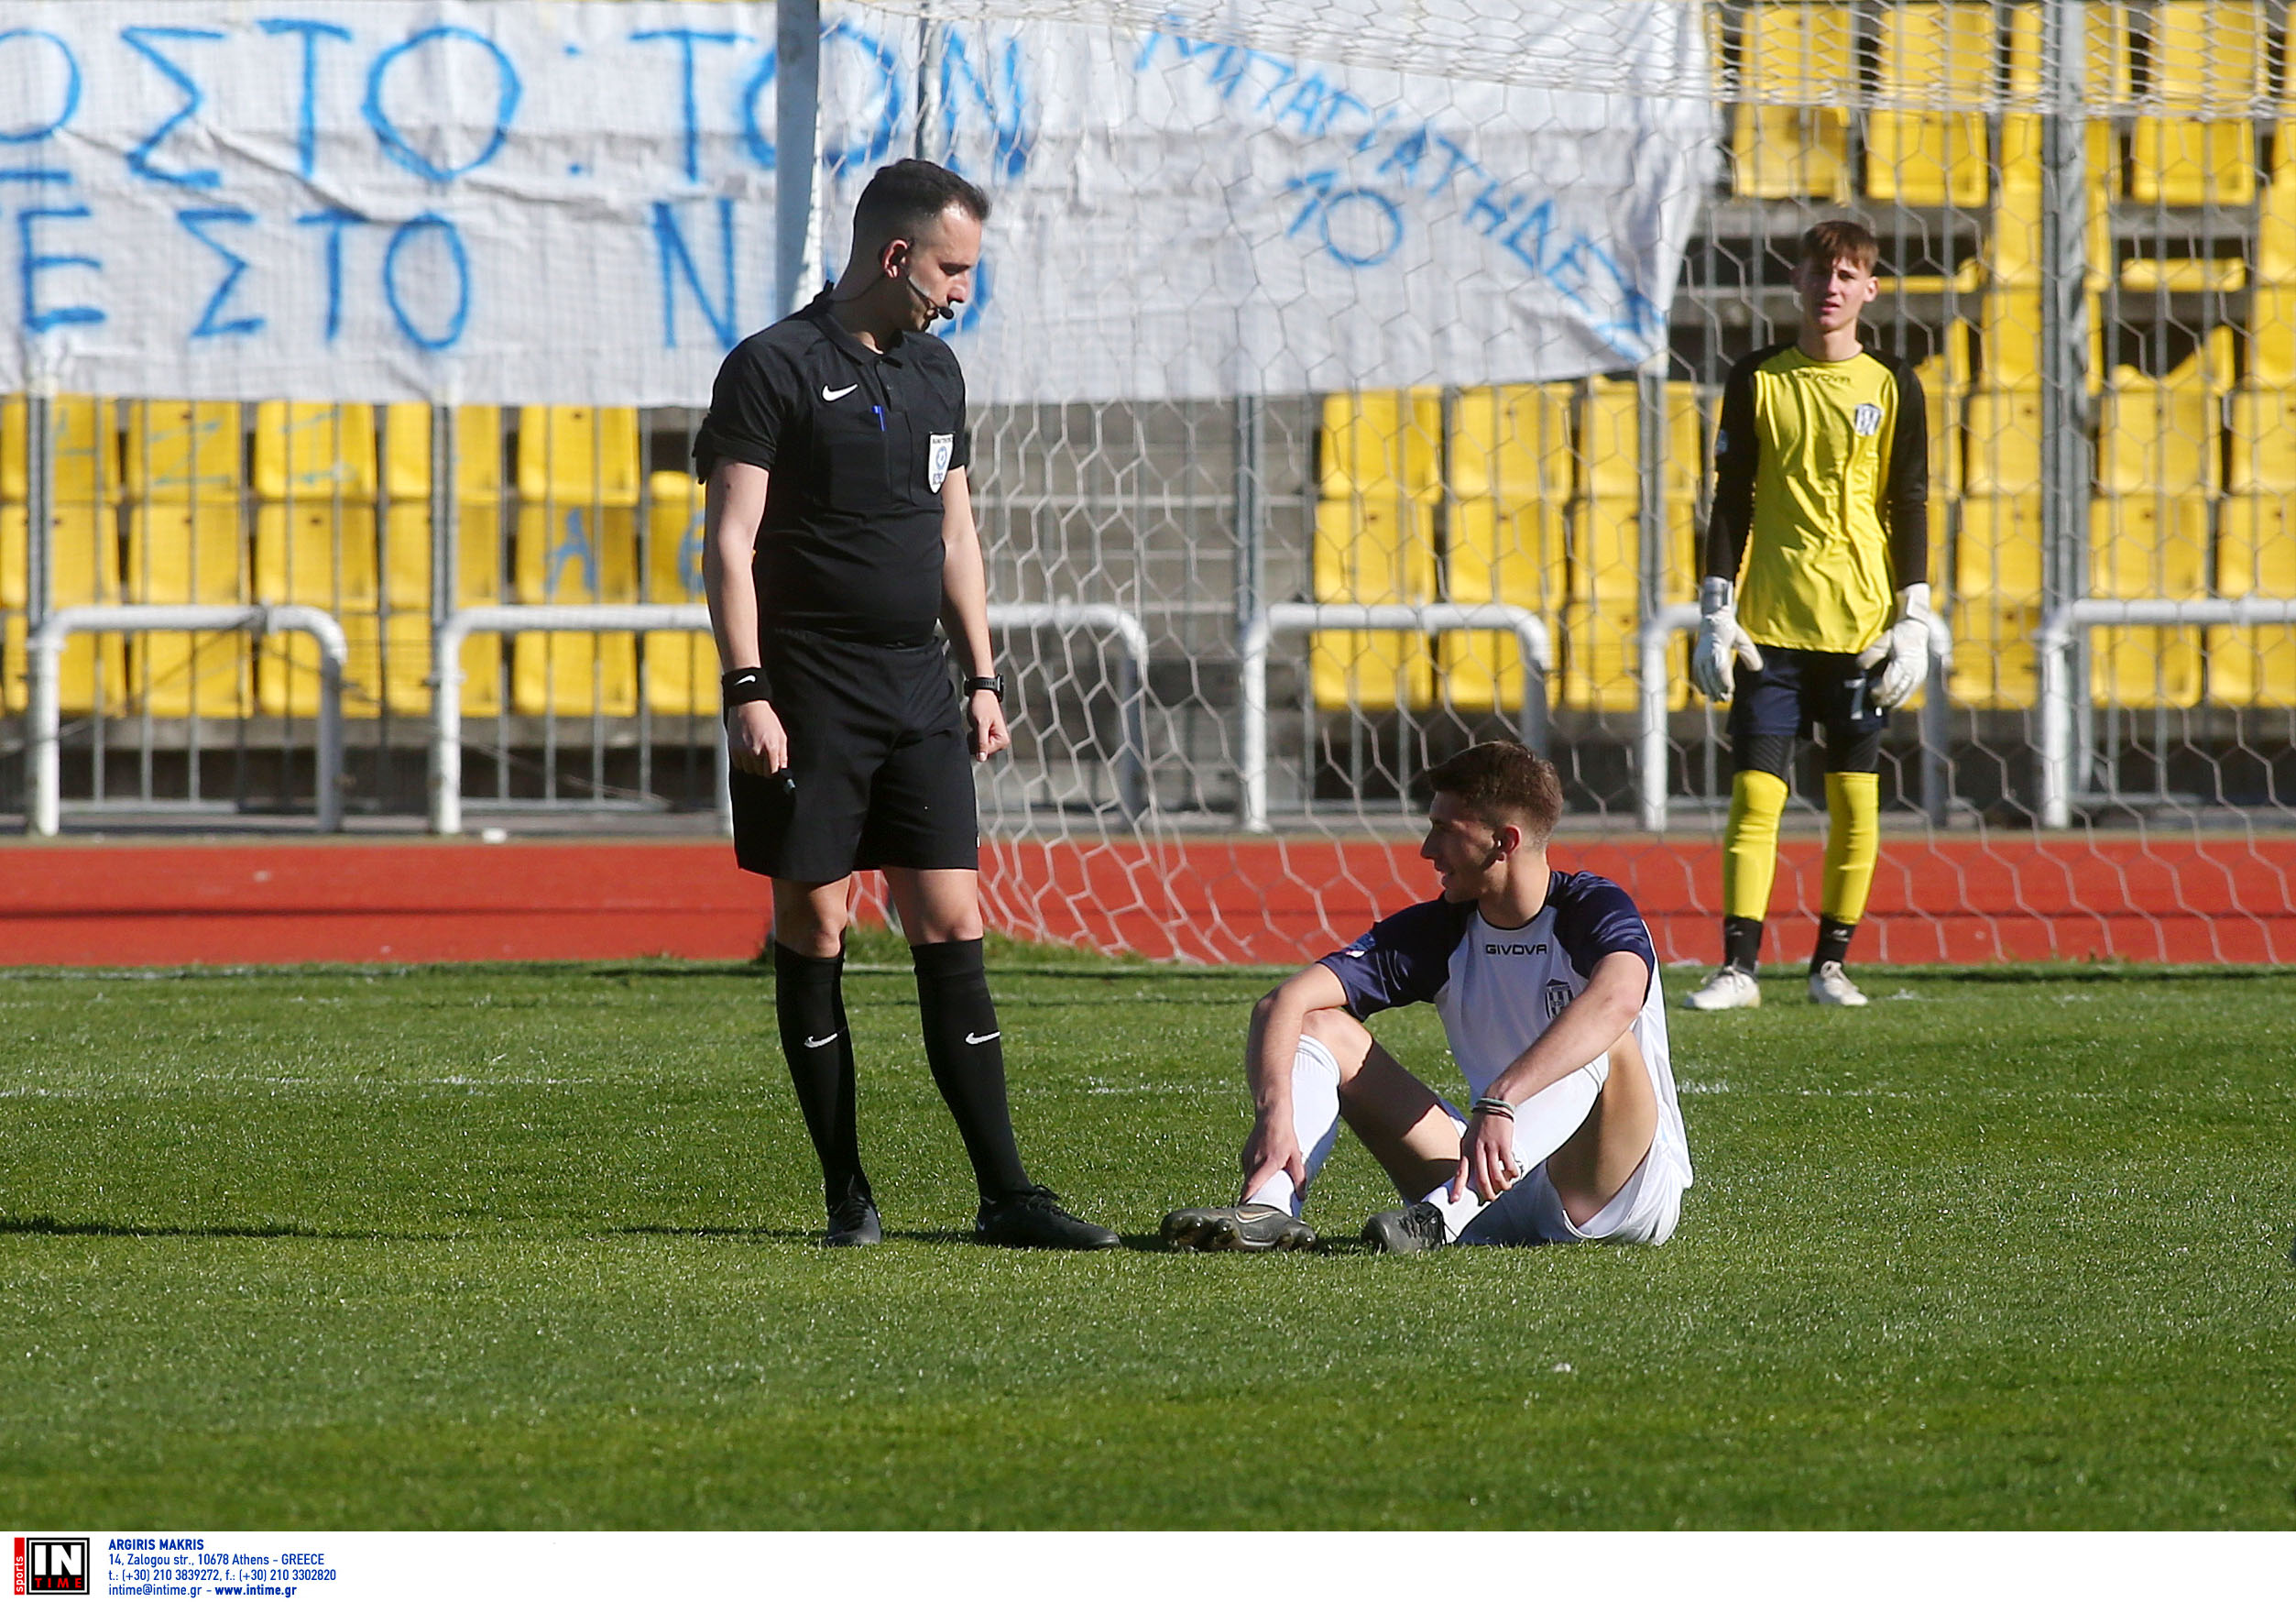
x,y
1866,420
939,449
1557,997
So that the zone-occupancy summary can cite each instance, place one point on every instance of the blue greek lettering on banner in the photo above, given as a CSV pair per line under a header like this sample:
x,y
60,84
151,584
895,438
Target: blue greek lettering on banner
x,y
687,38
334,220
139,39
196,224
306,110
411,229
1002,98
880,138
29,134
511,89
30,263
754,138
1370,231
677,262
1362,224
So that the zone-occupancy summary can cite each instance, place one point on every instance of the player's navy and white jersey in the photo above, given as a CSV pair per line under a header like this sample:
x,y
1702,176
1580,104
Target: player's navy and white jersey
x,y
1496,990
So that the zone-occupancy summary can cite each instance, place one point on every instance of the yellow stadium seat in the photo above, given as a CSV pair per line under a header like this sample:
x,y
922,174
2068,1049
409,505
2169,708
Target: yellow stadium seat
x,y
315,451
578,456
1513,441
1601,651
575,556
183,451
2157,436
325,556
188,554
2004,443
2205,66
681,664
2263,435
2255,554
2183,274
1942,396
1381,455
2106,66
1932,54
406,578
1789,134
2272,336
407,451
83,570
2276,218
2146,546
1997,599
1509,551
1610,441
1366,552
87,452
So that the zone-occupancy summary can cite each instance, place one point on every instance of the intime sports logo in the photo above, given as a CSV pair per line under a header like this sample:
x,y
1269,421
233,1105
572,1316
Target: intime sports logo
x,y
52,1566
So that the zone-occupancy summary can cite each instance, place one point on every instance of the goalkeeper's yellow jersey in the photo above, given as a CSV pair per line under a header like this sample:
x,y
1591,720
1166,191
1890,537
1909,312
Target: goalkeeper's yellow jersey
x,y
1820,495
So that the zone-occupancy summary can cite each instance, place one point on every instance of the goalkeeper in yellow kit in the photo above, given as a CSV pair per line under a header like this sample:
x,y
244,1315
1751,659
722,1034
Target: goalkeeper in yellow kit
x,y
1821,503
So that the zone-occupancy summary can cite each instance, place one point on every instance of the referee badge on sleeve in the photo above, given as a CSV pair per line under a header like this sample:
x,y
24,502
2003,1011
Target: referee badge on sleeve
x,y
941,447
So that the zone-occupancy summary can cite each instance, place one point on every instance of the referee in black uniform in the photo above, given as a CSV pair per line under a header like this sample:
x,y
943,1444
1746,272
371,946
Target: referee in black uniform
x,y
840,528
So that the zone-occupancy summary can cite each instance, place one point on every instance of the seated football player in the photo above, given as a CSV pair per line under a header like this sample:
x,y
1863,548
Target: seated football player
x,y
1546,984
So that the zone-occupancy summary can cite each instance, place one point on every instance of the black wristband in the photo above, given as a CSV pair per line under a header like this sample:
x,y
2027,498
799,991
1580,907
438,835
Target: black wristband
x,y
993,682
1497,1106
742,686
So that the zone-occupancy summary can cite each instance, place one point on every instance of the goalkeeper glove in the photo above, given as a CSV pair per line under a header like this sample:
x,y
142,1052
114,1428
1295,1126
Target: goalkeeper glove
x,y
1903,653
1722,645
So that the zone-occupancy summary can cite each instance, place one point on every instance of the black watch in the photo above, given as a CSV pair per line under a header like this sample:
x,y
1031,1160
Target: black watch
x,y
993,683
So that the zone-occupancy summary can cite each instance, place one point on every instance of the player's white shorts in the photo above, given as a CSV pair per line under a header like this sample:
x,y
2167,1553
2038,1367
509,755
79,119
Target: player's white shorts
x,y
1530,1212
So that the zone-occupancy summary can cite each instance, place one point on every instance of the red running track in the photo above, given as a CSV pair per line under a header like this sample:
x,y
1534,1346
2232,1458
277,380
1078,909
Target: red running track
x,y
2196,899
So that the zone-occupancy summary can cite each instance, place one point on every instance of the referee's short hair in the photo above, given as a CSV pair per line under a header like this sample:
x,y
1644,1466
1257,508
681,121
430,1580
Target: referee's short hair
x,y
902,198
1500,782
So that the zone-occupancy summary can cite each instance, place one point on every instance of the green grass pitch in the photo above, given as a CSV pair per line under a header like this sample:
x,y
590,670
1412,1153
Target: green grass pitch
x,y
530,1248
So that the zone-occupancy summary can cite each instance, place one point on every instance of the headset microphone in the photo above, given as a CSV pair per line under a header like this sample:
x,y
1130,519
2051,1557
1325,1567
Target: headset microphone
x,y
933,310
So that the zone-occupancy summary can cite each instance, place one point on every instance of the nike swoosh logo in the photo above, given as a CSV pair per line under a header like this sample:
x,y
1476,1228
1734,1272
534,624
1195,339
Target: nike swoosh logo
x,y
982,1039
829,394
812,1044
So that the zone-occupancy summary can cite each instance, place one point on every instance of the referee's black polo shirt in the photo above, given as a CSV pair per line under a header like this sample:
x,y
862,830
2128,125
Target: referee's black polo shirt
x,y
858,443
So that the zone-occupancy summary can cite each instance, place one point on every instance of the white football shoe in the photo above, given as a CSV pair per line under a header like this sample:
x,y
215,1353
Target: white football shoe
x,y
1829,987
1729,988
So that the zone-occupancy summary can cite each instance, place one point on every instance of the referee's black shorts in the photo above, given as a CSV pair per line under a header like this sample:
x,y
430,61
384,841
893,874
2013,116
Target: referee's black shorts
x,y
879,770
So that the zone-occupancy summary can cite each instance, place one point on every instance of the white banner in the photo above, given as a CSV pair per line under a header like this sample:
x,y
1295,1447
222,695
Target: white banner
x,y
436,200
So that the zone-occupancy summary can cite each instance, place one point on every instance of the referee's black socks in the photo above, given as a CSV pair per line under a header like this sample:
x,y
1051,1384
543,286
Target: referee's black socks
x,y
809,996
966,1049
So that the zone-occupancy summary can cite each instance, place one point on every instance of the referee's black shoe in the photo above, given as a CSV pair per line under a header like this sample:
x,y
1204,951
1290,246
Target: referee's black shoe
x,y
1034,1217
853,1223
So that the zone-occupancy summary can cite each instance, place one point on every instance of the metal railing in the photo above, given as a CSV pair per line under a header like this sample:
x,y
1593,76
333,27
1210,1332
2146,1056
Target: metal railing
x,y
1651,765
1430,618
2053,643
446,679
45,650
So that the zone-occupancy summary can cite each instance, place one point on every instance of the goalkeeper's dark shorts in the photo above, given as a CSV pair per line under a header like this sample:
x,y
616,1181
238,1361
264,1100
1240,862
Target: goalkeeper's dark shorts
x,y
879,770
1794,692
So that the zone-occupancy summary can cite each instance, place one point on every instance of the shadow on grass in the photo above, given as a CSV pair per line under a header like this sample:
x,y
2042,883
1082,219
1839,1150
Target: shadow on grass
x,y
41,1223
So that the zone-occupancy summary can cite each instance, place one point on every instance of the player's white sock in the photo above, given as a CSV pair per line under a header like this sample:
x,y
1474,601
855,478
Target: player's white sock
x,y
1315,1121
1541,1125
1458,1215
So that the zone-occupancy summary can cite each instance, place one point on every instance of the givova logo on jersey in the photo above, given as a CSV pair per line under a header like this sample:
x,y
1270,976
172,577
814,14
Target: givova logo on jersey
x,y
52,1566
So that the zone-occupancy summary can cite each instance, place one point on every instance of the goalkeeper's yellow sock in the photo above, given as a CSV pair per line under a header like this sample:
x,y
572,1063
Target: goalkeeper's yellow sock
x,y
1853,830
1758,801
